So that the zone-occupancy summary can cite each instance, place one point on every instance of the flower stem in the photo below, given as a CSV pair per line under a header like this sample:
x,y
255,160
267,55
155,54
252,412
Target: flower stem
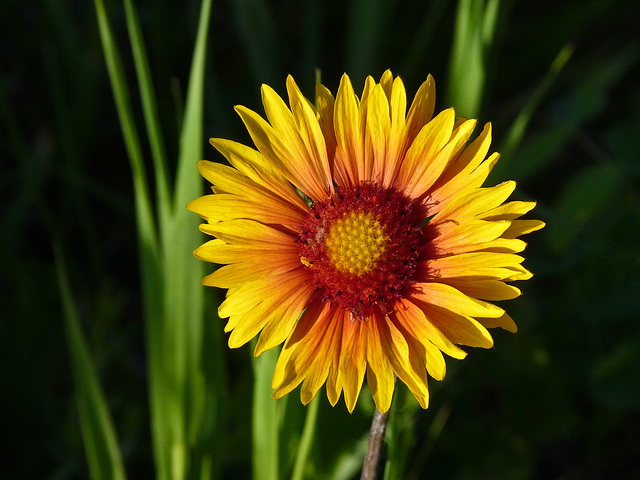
x,y
376,441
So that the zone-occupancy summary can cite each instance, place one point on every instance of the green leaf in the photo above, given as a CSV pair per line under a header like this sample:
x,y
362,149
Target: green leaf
x,y
147,243
149,108
100,440
266,418
584,102
144,211
399,435
473,38
182,397
518,128
306,441
187,395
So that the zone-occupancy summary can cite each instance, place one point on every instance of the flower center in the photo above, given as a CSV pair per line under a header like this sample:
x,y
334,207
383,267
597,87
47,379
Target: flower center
x,y
356,242
362,246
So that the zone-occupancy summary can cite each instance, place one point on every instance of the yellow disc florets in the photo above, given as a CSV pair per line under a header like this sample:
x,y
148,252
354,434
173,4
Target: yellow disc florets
x,y
356,242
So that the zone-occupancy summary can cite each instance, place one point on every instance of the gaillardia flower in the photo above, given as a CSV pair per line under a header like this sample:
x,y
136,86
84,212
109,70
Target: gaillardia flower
x,y
359,235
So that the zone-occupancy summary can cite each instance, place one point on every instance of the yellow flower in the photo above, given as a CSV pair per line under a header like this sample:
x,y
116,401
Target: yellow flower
x,y
359,235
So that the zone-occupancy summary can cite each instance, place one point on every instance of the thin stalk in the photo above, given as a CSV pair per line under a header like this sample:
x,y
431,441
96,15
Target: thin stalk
x,y
306,441
376,441
150,110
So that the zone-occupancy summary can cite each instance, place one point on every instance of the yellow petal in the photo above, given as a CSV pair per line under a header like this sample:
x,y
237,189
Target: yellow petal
x,y
479,265
412,317
386,82
298,352
236,274
216,251
248,232
473,203
318,373
454,300
459,237
423,183
522,227
379,372
460,329
456,177
499,245
246,160
284,127
376,138
325,104
419,161
518,273
334,385
225,178
464,183
508,211
224,206
282,149
505,322
353,361
492,290
310,133
405,361
421,109
349,141
245,326
284,317
436,365
397,135
256,301
242,299
254,165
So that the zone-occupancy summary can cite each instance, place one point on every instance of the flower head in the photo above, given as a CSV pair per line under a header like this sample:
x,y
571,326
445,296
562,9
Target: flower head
x,y
360,236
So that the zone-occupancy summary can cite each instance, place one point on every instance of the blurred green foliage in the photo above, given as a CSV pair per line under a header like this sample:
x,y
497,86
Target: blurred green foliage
x,y
560,399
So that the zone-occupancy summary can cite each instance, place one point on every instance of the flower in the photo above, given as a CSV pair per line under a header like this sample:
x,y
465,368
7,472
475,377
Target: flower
x,y
359,235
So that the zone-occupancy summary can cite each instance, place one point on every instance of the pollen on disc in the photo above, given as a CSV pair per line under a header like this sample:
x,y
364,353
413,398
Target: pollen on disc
x,y
362,246
356,242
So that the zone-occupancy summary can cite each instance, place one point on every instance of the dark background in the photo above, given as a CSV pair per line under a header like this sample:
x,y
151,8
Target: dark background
x,y
558,400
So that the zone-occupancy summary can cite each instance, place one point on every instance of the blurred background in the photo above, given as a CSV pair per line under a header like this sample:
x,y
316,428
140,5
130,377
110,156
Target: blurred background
x,y
560,82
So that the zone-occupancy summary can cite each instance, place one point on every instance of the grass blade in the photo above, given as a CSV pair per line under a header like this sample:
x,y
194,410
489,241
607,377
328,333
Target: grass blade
x,y
174,300
100,440
473,38
144,211
580,105
516,132
266,418
306,441
149,108
193,394
188,181
147,243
